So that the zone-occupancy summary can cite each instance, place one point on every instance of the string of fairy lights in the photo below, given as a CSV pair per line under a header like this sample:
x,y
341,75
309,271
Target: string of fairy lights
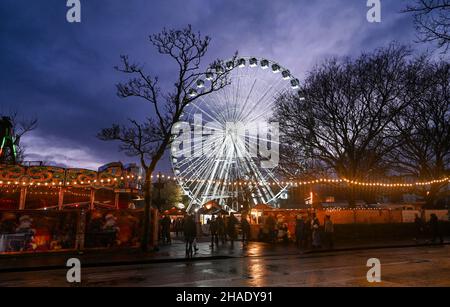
x,y
13,190
95,182
292,183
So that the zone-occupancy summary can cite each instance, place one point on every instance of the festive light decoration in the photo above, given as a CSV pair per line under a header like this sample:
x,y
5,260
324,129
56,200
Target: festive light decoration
x,y
8,139
230,126
120,180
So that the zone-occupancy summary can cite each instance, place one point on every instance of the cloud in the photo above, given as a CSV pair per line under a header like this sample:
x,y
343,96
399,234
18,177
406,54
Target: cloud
x,y
60,152
63,73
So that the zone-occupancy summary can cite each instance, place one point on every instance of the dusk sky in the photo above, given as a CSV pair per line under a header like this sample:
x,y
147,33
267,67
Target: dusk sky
x,y
62,73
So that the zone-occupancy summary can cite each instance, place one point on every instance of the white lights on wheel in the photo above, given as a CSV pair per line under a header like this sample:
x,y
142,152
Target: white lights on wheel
x,y
295,83
200,83
209,76
192,92
264,64
220,164
275,68
286,75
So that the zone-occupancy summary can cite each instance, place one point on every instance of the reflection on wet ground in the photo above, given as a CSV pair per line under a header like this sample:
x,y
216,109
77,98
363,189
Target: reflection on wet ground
x,y
418,266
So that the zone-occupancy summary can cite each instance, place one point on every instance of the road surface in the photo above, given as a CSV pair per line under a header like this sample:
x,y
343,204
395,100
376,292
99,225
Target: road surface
x,y
415,266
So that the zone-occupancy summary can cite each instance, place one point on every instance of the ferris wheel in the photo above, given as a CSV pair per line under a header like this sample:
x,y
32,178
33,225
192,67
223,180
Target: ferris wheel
x,y
231,151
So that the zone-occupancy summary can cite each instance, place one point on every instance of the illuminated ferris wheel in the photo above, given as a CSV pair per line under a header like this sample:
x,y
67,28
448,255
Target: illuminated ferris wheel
x,y
232,147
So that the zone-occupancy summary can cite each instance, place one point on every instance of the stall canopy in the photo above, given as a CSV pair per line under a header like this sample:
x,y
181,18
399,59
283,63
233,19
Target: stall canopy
x,y
174,211
211,208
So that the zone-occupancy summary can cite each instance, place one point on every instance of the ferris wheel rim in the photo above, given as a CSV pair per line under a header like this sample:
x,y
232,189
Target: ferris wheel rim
x,y
248,60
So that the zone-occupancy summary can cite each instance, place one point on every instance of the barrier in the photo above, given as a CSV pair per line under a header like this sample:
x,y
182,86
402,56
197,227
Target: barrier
x,y
113,228
352,223
31,231
37,231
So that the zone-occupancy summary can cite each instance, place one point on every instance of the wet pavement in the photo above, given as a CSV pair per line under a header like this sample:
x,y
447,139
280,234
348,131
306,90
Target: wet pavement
x,y
173,253
408,266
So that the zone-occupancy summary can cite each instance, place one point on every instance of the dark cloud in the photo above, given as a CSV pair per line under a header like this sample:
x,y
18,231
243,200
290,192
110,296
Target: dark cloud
x,y
63,73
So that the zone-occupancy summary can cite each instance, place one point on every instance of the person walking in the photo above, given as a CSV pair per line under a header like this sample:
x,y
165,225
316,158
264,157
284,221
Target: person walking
x,y
299,231
308,233
283,233
166,223
316,232
271,228
213,232
190,233
245,227
175,227
221,228
435,229
328,229
419,227
231,228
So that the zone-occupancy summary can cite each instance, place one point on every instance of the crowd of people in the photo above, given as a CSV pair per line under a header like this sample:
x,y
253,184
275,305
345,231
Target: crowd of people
x,y
309,232
221,229
432,227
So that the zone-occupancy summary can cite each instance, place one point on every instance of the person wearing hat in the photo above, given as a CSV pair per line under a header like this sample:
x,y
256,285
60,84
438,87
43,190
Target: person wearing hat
x,y
300,231
25,223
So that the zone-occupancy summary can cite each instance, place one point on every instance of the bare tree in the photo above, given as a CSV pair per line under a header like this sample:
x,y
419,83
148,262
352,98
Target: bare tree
x,y
150,139
425,131
19,127
432,20
343,118
297,162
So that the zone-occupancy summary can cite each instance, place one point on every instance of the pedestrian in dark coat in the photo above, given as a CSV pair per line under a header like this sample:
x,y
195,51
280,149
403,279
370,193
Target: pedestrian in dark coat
x,y
221,228
316,233
435,229
308,232
328,232
231,228
271,223
190,233
213,232
166,223
419,227
299,231
245,227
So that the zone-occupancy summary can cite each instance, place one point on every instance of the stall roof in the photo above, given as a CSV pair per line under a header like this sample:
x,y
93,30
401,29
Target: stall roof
x,y
262,207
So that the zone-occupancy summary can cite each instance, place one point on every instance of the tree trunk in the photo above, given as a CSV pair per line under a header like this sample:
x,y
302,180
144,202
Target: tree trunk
x,y
147,207
351,196
148,193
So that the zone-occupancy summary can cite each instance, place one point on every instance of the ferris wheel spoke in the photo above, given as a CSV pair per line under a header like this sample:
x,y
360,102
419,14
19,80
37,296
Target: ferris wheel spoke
x,y
223,174
203,170
263,100
250,166
244,108
213,117
219,159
